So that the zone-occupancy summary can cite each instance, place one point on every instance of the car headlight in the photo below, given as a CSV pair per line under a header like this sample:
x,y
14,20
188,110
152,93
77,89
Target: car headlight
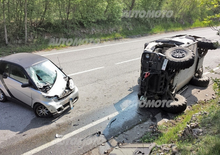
x,y
55,98
71,84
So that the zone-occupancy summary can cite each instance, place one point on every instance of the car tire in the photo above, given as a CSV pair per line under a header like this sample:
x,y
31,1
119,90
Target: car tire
x,y
179,58
177,106
206,44
200,82
41,111
3,97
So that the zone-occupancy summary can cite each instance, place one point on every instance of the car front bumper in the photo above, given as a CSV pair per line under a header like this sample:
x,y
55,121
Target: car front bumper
x,y
59,106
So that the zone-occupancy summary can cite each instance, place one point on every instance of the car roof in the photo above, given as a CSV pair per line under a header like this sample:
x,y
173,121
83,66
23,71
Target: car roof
x,y
24,59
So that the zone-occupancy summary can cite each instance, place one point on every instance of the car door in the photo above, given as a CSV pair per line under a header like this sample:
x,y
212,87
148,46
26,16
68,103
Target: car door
x,y
15,76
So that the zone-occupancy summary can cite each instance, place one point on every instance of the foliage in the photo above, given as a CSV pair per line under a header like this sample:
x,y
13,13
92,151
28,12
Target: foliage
x,y
213,10
216,86
59,18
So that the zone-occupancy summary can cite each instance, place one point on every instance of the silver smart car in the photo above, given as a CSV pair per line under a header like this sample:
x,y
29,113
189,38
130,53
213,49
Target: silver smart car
x,y
37,82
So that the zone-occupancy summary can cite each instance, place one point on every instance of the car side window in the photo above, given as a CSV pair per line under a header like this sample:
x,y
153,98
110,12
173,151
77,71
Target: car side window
x,y
4,68
17,73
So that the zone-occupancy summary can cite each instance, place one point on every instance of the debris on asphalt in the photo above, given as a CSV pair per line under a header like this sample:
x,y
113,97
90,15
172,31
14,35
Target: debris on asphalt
x,y
139,113
58,136
111,122
75,124
98,133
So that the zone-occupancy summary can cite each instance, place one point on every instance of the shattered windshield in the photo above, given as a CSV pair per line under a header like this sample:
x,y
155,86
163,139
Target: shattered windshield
x,y
44,74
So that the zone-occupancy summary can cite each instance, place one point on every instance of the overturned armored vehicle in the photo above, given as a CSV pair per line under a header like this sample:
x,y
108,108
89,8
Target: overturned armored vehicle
x,y
169,64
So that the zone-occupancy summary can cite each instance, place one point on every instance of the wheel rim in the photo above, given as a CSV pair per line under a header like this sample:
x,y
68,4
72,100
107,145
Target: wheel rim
x,y
42,111
179,53
2,97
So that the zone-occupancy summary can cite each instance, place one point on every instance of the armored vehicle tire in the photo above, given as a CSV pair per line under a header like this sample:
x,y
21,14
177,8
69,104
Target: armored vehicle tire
x,y
200,82
179,58
207,44
177,106
199,73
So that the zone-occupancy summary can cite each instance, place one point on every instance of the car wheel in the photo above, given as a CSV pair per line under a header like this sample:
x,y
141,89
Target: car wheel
x,y
200,82
177,106
207,44
179,58
3,97
41,111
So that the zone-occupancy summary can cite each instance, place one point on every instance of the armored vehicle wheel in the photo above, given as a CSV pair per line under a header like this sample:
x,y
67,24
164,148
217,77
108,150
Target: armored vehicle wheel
x,y
200,82
179,58
207,44
177,106
199,73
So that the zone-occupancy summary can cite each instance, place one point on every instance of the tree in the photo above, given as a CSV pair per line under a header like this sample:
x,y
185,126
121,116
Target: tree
x,y
130,4
214,11
25,21
4,21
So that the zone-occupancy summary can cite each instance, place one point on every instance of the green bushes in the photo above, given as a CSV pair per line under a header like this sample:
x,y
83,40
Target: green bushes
x,y
77,18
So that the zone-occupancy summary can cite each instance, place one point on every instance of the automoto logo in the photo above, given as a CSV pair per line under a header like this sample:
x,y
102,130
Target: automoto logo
x,y
148,14
70,42
155,103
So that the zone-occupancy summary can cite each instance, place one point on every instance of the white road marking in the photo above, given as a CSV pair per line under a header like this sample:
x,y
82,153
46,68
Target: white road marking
x,y
86,71
206,73
127,61
215,68
212,69
92,48
42,147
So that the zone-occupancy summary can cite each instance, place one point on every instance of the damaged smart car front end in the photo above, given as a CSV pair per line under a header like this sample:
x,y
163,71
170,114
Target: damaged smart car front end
x,y
38,83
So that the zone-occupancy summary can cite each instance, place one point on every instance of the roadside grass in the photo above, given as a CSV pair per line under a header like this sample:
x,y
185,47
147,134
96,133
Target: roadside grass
x,y
171,131
206,144
124,29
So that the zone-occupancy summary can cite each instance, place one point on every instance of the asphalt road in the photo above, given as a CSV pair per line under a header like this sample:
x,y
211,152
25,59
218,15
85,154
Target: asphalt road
x,y
106,75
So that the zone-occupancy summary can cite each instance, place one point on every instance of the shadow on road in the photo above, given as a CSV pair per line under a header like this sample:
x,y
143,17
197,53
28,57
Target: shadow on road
x,y
17,117
131,115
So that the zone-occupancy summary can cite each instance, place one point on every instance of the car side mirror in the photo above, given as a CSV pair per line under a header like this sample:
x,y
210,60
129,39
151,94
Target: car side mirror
x,y
5,75
24,85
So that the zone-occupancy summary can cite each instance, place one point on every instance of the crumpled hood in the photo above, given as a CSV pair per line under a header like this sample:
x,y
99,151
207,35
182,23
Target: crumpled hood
x,y
58,87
